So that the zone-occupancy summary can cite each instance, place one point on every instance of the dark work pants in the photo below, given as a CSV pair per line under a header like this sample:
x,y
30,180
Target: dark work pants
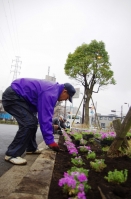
x,y
25,139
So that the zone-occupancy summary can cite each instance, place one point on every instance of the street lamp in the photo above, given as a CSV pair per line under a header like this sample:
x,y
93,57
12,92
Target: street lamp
x,y
121,112
127,104
113,111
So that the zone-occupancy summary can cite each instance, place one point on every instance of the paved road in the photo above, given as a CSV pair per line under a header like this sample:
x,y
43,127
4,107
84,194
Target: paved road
x,y
7,133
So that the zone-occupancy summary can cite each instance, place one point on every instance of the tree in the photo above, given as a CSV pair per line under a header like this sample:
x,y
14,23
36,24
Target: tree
x,y
89,65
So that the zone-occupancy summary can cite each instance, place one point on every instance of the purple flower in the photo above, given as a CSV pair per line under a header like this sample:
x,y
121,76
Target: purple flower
x,y
73,151
69,181
108,135
82,177
81,195
66,174
81,187
75,173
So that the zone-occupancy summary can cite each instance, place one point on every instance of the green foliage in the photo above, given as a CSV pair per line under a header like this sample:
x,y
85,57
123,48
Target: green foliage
x,y
128,152
106,148
83,142
8,122
77,136
67,131
87,133
117,176
91,155
128,134
97,135
89,64
80,170
84,148
98,165
77,161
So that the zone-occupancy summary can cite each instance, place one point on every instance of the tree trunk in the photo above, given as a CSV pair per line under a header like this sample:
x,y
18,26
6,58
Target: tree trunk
x,y
86,101
86,120
121,131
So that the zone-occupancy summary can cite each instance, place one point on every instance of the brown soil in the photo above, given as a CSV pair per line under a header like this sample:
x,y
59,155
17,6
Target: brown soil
x,y
100,188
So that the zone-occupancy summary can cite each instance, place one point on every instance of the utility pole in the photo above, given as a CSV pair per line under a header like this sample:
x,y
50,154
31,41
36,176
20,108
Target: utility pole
x,y
16,67
121,113
48,70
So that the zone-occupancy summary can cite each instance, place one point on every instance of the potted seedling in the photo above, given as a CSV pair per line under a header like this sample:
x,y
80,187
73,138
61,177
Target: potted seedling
x,y
84,148
117,176
98,165
77,161
91,155
75,184
106,138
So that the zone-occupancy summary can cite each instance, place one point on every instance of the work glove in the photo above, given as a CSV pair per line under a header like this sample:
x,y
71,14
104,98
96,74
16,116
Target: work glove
x,y
54,146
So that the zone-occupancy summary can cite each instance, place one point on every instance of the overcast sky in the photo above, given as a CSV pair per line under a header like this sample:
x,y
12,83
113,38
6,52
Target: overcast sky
x,y
43,32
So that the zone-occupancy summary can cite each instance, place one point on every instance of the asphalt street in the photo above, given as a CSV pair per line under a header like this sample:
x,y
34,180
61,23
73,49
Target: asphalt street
x,y
7,133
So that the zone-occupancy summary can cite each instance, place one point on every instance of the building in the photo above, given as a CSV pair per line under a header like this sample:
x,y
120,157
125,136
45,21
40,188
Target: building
x,y
64,110
50,78
105,121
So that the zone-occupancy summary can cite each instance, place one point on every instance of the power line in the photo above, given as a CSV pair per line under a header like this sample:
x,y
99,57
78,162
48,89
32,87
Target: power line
x,y
16,28
15,41
8,27
3,46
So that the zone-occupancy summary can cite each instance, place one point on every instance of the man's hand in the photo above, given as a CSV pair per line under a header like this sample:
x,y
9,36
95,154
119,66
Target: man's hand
x,y
54,146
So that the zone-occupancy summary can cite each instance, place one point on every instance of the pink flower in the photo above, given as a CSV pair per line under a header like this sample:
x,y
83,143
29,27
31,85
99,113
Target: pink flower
x,y
81,187
82,177
81,195
69,181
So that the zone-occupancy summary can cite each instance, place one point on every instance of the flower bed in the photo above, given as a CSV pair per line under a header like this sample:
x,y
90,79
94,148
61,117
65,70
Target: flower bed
x,y
96,180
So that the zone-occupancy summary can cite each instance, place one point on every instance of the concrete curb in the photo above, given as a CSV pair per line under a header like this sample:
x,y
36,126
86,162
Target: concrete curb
x,y
31,181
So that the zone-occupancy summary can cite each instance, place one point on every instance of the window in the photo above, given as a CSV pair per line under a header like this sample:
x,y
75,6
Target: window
x,y
102,125
110,118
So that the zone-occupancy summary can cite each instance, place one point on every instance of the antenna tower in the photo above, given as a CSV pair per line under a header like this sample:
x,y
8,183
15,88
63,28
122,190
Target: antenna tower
x,y
17,67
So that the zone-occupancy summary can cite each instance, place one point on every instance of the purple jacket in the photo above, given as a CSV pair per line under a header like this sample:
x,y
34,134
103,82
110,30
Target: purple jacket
x,y
41,96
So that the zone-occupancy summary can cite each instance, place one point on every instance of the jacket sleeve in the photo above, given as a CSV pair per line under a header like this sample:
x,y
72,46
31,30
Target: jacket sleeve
x,y
45,106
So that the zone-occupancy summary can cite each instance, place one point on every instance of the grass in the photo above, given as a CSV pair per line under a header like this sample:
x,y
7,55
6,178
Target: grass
x,y
7,122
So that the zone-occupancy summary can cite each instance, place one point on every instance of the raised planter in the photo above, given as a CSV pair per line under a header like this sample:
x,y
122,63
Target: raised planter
x,y
100,188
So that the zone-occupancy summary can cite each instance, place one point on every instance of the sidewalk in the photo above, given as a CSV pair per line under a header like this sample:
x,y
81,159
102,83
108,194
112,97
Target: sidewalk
x,y
31,181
